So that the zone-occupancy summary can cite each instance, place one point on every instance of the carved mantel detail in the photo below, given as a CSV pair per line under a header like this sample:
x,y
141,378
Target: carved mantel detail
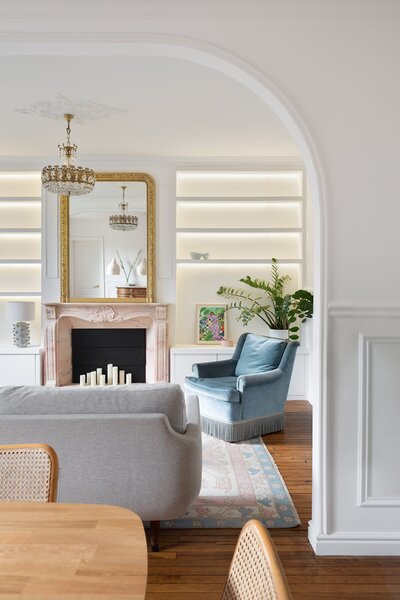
x,y
62,318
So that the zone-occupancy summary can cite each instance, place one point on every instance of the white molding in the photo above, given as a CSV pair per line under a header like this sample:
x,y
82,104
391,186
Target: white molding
x,y
359,310
366,341
354,543
44,16
111,163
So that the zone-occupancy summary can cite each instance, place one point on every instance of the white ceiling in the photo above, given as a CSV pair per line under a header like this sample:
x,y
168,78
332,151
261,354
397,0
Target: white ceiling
x,y
167,107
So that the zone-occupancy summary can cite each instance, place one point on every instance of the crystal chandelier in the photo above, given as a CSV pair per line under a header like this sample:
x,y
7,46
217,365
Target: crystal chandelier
x,y
124,221
67,178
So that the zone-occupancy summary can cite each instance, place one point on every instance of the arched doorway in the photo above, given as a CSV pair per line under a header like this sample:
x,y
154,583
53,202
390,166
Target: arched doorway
x,y
266,90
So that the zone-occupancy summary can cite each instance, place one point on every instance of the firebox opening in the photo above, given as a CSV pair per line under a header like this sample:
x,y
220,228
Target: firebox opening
x,y
96,348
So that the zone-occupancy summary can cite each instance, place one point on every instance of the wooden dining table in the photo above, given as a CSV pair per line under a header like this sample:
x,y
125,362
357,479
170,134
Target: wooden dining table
x,y
71,552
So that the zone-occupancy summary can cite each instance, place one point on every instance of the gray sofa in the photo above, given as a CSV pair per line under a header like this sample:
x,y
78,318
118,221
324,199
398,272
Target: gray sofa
x,y
136,446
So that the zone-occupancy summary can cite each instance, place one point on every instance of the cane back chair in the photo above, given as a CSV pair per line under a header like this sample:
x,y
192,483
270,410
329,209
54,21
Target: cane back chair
x,y
256,572
28,473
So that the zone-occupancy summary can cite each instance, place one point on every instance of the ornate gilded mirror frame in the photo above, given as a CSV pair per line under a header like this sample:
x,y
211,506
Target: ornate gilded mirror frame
x,y
65,239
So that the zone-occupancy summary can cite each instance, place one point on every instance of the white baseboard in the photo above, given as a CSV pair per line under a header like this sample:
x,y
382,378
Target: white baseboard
x,y
354,544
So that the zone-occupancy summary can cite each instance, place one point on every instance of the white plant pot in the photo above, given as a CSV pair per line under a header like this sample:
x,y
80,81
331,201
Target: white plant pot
x,y
280,334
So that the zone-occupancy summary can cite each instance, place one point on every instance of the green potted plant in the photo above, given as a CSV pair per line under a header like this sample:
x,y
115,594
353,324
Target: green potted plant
x,y
278,310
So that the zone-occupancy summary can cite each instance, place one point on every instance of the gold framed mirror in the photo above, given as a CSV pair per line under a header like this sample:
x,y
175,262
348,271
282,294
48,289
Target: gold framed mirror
x,y
107,241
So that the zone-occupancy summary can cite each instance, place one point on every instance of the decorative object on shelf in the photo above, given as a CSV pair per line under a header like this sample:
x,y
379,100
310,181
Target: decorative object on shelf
x,y
114,377
19,313
210,323
113,268
130,267
280,311
68,178
123,221
199,255
131,291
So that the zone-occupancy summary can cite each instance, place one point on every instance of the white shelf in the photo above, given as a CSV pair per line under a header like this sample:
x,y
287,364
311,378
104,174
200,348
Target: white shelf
x,y
21,294
239,230
202,349
30,199
244,200
238,261
17,350
21,261
19,230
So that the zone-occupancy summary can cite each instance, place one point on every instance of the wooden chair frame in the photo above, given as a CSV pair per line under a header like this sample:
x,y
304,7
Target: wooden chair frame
x,y
276,574
52,495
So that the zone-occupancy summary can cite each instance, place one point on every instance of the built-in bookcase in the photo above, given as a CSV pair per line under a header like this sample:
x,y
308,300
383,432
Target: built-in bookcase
x,y
20,246
242,219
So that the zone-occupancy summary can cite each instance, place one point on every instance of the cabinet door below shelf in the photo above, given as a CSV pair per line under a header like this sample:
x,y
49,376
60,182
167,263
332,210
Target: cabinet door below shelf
x,y
20,369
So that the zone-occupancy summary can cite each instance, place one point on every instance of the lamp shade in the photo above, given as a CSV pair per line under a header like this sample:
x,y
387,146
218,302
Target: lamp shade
x,y
20,311
113,268
141,269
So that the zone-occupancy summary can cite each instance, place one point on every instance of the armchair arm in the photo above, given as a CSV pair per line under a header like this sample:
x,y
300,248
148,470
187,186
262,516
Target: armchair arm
x,y
255,379
220,368
192,410
263,394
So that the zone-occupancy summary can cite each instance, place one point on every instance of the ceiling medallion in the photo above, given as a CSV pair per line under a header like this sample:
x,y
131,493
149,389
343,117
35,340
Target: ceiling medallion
x,y
67,178
123,221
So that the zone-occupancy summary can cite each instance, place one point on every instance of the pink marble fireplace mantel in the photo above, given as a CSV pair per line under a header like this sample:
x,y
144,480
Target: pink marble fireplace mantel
x,y
62,318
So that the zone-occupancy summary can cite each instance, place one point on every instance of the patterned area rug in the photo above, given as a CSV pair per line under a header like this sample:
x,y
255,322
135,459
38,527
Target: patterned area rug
x,y
240,482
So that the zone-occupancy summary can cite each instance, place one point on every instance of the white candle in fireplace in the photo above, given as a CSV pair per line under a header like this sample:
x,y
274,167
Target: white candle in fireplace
x,y
82,380
109,374
102,379
115,376
88,376
129,378
122,377
98,376
93,378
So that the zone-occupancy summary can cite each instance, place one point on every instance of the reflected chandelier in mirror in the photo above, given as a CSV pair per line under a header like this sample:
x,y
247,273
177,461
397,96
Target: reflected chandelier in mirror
x,y
101,263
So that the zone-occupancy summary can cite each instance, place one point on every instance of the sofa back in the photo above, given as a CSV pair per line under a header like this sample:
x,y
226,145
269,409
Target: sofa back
x,y
139,398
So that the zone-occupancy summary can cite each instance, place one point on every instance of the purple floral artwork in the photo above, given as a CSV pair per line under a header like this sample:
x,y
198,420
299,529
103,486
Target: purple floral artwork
x,y
211,323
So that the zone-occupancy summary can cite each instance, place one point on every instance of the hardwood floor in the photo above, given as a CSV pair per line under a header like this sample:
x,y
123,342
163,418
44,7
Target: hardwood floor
x,y
193,564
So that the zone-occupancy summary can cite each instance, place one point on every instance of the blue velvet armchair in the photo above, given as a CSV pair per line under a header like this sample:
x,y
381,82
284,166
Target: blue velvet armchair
x,y
245,396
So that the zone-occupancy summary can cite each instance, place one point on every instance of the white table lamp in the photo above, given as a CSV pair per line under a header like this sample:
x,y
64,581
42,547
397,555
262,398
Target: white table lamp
x,y
113,268
19,313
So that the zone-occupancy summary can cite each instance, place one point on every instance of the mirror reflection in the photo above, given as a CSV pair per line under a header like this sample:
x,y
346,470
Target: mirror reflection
x,y
107,240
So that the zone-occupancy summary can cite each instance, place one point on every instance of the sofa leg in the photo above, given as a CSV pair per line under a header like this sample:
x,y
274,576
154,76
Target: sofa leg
x,y
155,536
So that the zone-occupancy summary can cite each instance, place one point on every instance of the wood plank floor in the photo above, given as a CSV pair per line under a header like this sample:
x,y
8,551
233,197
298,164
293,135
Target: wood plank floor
x,y
193,564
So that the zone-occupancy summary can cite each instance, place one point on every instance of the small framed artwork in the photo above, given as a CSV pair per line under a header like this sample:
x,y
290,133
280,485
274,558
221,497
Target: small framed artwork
x,y
210,323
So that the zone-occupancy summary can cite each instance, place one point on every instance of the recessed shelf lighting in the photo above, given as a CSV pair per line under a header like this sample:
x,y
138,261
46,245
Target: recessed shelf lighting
x,y
246,175
16,184
20,234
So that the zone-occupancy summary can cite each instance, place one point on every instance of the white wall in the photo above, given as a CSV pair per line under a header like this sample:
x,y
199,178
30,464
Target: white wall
x,y
337,65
